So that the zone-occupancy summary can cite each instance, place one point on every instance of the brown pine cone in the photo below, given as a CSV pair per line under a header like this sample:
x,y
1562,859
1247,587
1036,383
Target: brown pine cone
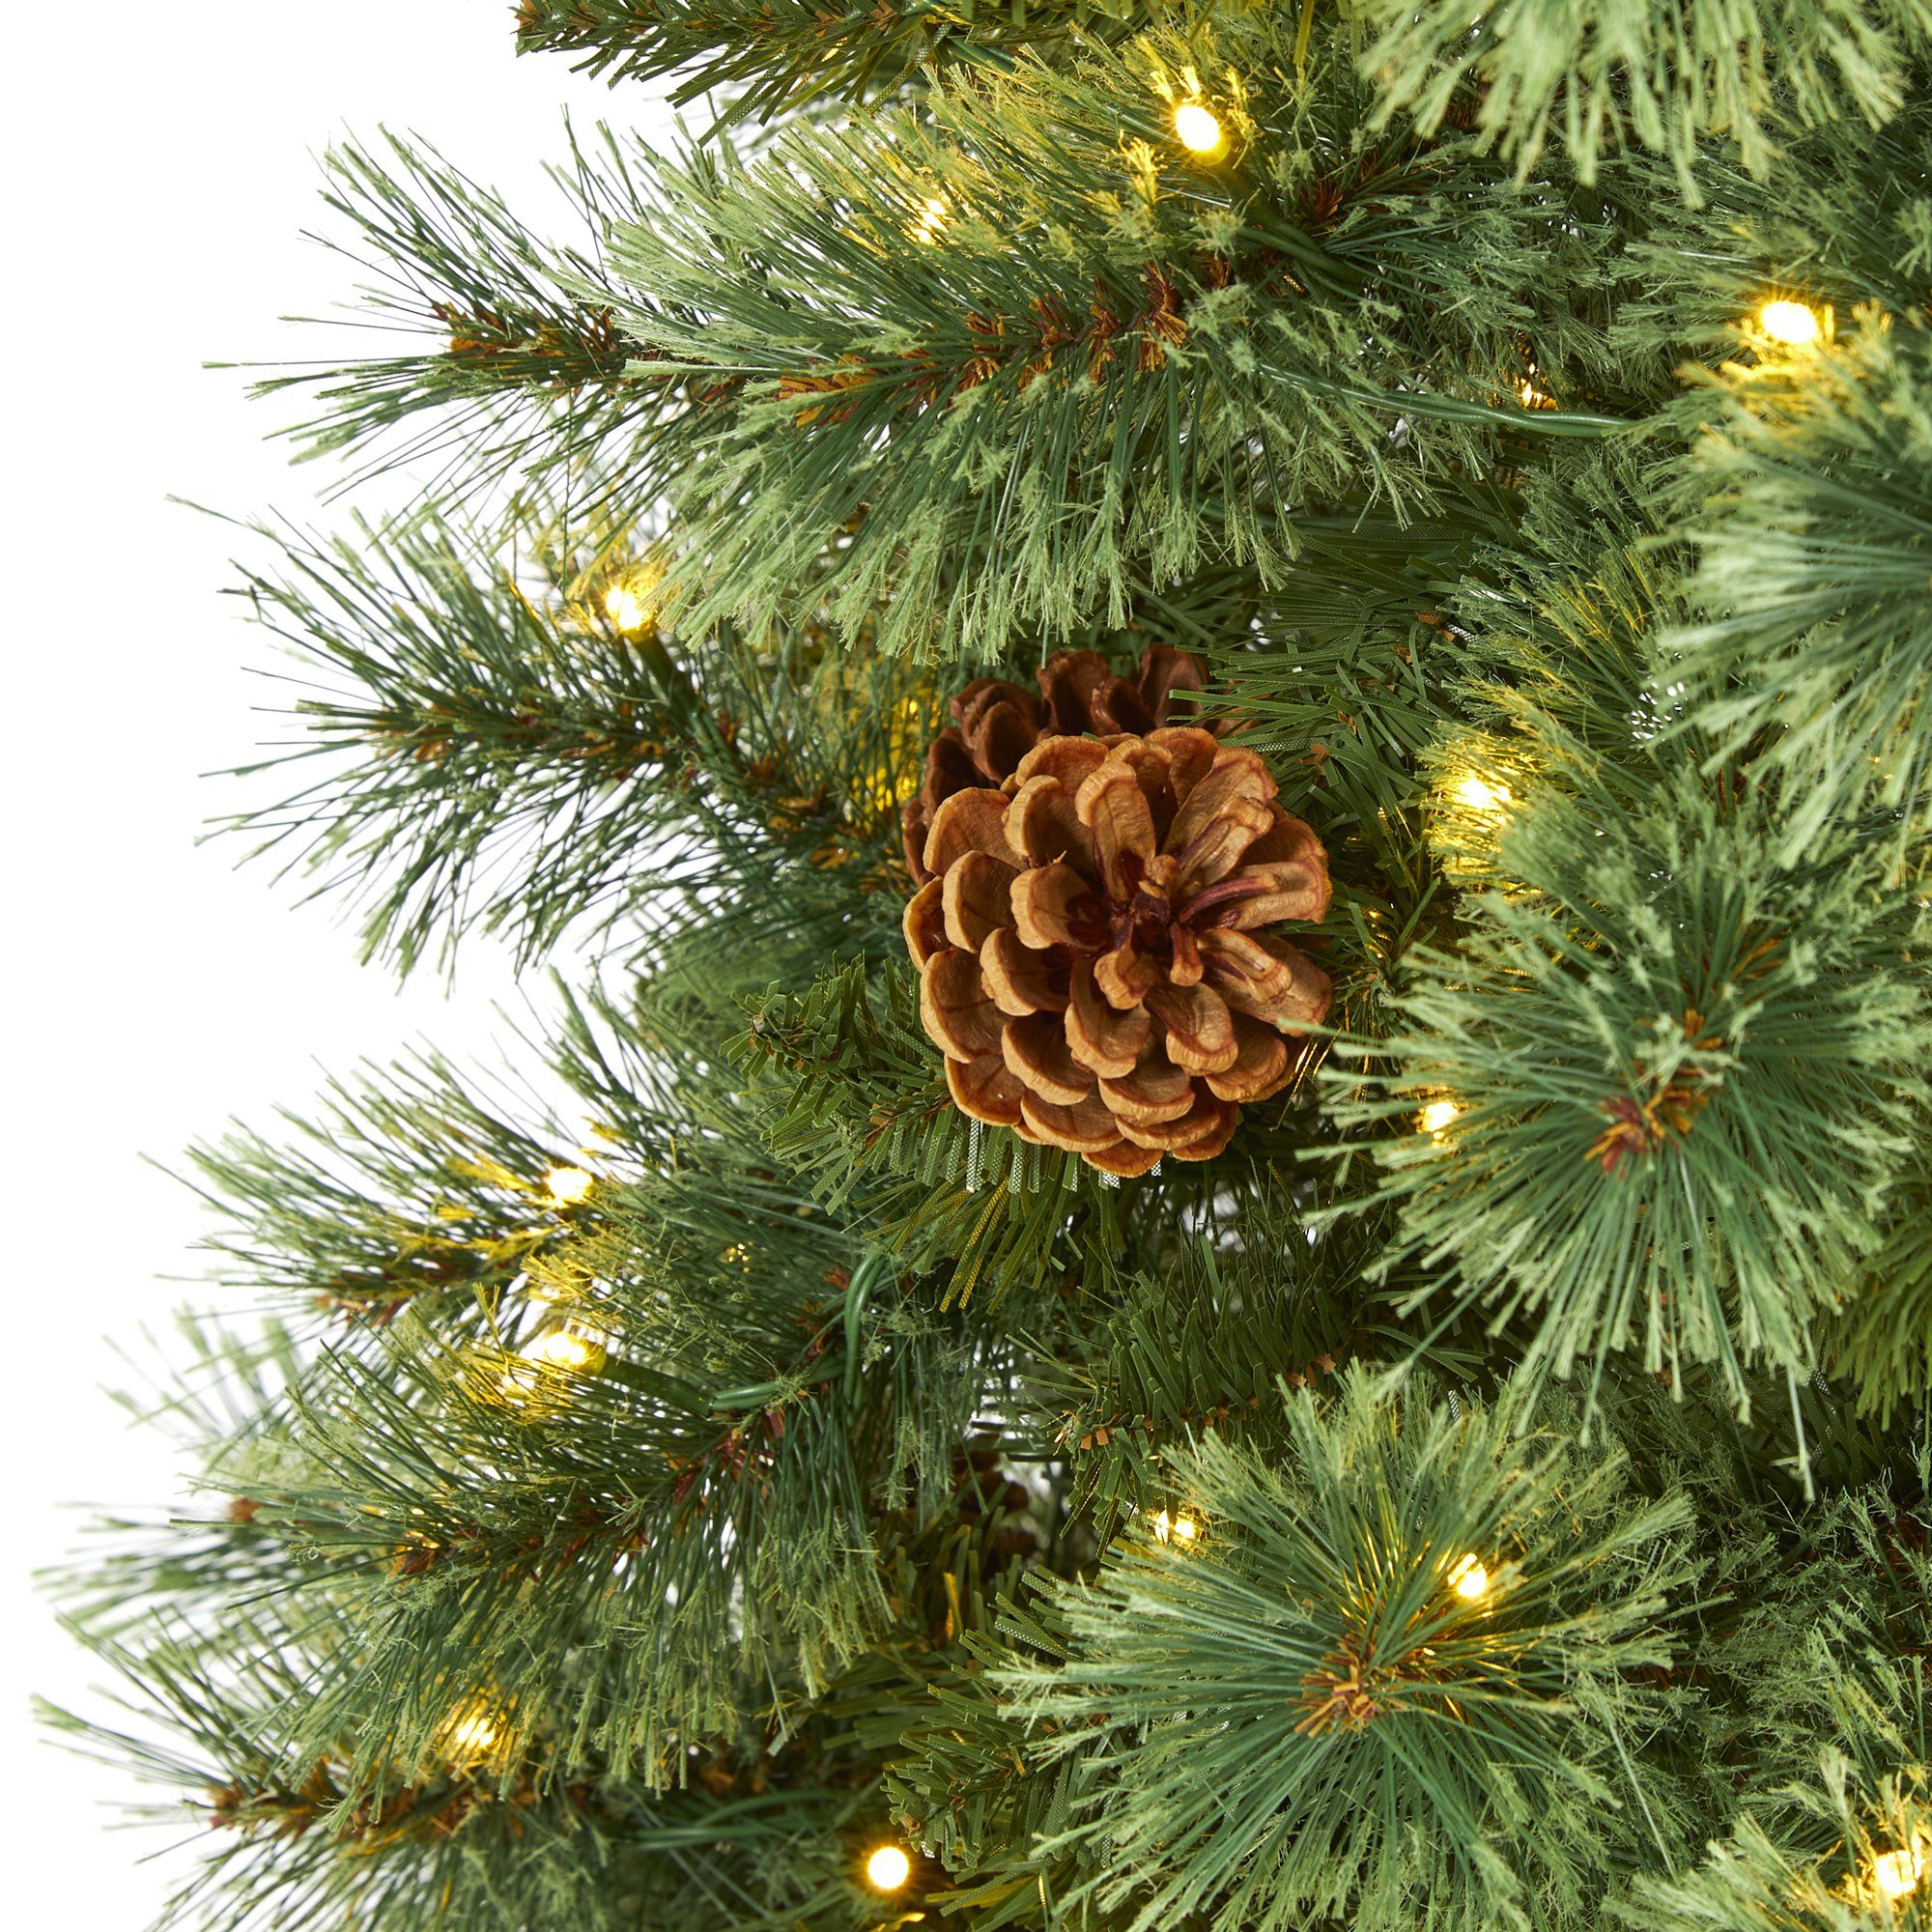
x,y
1089,946
996,724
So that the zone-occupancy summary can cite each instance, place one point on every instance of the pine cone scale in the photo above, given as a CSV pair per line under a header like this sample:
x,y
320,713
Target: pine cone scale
x,y
1084,1129
1207,1119
924,922
1221,844
1126,977
1153,1090
1038,1055
1070,761
969,821
976,899
1264,978
982,1090
958,1017
1043,820
1119,823
1261,1061
1053,905
1254,896
1109,1042
1020,979
1200,1027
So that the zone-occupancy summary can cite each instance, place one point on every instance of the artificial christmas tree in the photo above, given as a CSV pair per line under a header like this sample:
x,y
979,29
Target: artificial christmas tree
x,y
1282,1285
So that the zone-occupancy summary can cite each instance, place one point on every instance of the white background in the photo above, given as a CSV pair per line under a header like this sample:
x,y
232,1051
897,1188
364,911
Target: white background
x,y
159,164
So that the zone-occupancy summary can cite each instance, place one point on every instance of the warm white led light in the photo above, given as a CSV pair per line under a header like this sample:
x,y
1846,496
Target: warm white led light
x,y
567,1186
625,607
1790,322
1197,129
1894,1874
888,1868
470,1734
932,215
560,1349
1482,794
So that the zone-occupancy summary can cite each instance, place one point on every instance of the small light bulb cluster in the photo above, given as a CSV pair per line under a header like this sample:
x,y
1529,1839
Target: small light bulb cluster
x,y
631,598
1470,1578
472,1733
533,1377
1473,806
559,1349
1437,1118
625,607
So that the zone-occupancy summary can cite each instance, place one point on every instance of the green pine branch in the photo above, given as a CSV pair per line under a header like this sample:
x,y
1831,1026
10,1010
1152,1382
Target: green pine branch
x,y
767,60
1298,1713
766,1839
1660,75
528,355
1680,1082
1029,356
407,1187
1814,578
502,726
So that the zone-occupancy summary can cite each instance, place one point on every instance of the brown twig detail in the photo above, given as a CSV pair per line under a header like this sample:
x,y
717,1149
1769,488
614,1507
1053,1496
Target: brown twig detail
x,y
1641,1123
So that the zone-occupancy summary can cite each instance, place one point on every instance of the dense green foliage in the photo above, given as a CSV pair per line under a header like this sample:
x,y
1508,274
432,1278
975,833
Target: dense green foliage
x,y
1492,1490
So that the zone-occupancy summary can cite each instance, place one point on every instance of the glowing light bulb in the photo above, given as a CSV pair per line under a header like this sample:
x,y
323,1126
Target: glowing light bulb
x,y
1170,1528
888,1868
1894,1874
1482,794
1790,322
561,1349
567,1186
472,1733
1468,1578
1197,129
932,213
531,1378
625,607
1437,1116
631,598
